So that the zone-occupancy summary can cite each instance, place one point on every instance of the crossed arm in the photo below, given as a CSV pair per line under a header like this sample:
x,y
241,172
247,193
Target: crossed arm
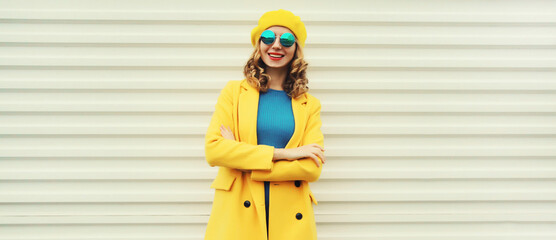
x,y
260,159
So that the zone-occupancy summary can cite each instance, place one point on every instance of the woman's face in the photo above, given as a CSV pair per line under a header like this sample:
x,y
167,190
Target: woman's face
x,y
287,53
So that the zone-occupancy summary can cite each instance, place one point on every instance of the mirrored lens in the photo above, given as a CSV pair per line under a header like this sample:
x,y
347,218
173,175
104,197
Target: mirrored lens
x,y
268,37
287,39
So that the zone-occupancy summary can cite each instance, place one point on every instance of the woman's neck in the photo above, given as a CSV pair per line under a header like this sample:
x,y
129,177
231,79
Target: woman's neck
x,y
277,77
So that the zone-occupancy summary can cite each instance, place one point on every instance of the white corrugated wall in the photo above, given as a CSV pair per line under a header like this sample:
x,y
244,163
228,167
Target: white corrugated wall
x,y
439,116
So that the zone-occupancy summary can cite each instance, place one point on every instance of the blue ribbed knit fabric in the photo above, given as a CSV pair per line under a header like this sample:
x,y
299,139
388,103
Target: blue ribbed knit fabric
x,y
275,125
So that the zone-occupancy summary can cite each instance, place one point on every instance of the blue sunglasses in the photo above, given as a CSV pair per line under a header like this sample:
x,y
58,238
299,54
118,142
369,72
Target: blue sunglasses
x,y
286,39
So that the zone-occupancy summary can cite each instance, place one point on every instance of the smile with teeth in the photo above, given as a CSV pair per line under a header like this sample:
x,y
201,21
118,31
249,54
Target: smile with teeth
x,y
275,55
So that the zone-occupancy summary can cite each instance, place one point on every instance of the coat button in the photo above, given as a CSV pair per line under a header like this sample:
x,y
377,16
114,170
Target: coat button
x,y
297,183
247,203
298,216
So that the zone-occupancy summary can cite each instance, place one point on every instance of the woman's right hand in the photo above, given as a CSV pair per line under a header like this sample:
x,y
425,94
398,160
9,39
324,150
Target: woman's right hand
x,y
311,150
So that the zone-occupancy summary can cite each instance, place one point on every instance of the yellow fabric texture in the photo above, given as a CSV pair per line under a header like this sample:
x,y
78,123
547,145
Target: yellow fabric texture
x,y
246,154
283,18
238,209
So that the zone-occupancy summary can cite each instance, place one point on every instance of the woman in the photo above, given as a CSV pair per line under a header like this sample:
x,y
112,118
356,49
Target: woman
x,y
265,137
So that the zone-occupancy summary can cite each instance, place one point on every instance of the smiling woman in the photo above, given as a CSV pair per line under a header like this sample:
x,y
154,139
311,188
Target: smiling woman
x,y
278,43
266,129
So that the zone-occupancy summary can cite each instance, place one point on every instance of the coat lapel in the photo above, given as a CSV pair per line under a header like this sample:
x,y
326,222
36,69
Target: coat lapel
x,y
248,106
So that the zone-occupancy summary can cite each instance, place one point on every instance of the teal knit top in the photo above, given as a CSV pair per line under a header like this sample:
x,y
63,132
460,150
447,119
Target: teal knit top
x,y
275,121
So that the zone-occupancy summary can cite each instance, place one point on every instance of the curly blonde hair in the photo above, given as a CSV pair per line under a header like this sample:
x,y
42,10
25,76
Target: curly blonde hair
x,y
296,81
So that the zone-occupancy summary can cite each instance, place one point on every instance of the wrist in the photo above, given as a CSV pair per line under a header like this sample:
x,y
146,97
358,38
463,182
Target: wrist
x,y
280,154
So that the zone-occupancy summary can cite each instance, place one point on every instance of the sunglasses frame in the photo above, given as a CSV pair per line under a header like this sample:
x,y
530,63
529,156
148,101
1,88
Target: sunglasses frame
x,y
284,38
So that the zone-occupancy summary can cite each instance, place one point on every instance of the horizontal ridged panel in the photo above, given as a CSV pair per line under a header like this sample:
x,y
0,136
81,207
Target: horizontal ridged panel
x,y
439,116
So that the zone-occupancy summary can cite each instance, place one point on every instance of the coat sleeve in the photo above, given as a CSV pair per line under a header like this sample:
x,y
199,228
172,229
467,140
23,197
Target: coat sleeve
x,y
220,151
300,169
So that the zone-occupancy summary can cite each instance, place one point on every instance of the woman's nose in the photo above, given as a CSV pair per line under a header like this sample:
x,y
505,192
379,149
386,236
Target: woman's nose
x,y
276,44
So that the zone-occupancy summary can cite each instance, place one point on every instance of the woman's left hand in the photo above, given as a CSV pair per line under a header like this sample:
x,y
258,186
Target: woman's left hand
x,y
228,134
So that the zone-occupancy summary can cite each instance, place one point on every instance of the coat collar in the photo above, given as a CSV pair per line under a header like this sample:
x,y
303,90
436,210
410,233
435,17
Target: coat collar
x,y
247,115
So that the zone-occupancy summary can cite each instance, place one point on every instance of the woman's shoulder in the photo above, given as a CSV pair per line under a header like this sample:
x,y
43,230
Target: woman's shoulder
x,y
232,83
311,98
313,102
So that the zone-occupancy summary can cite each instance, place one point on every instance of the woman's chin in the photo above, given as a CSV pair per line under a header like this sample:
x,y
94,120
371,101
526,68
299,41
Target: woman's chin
x,y
273,64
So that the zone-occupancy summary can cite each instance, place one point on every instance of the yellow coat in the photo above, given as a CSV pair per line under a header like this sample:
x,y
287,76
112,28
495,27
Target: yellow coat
x,y
238,209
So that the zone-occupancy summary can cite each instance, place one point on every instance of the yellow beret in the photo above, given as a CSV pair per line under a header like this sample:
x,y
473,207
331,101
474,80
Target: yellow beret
x,y
280,18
